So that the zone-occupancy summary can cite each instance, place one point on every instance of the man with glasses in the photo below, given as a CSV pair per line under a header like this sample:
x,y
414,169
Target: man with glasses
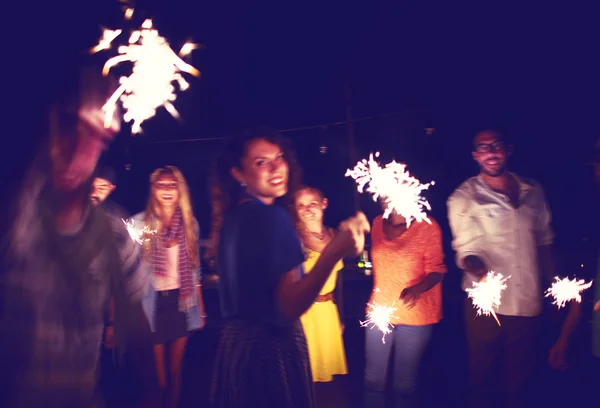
x,y
501,222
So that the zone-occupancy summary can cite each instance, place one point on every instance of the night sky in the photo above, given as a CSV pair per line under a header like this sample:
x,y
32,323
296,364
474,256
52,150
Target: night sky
x,y
529,71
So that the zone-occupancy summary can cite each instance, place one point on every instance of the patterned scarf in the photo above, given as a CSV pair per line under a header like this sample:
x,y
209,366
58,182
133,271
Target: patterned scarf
x,y
159,259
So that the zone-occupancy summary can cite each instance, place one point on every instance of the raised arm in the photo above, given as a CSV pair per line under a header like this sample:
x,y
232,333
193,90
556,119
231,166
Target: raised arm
x,y
295,293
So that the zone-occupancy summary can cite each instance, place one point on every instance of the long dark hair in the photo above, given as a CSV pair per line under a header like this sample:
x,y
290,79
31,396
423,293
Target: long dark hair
x,y
226,192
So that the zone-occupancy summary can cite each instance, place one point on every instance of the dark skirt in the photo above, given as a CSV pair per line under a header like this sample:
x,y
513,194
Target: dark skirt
x,y
262,366
170,323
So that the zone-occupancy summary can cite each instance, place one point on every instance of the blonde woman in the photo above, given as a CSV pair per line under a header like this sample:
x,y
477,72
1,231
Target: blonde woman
x,y
321,322
173,305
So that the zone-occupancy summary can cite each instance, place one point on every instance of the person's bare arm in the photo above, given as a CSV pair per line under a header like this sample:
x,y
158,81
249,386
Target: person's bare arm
x,y
294,295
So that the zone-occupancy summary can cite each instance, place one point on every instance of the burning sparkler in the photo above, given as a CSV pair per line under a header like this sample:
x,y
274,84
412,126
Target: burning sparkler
x,y
401,191
486,294
566,290
380,316
155,67
138,235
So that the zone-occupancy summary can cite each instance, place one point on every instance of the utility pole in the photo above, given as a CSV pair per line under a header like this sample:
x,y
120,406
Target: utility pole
x,y
351,143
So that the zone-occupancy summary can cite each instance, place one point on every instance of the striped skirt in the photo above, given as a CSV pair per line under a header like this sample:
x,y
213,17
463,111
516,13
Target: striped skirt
x,y
262,366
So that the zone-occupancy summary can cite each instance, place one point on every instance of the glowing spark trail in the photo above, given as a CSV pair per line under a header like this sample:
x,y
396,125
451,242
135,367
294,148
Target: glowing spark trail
x,y
566,290
486,294
395,185
155,67
380,316
138,235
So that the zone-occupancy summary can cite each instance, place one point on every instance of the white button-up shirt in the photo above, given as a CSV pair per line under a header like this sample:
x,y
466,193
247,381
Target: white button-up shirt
x,y
485,224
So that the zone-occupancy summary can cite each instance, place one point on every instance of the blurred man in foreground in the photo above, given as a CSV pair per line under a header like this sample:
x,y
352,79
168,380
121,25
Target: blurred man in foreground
x,y
64,260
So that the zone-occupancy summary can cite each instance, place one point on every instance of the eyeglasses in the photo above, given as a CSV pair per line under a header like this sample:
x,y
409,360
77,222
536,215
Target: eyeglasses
x,y
498,146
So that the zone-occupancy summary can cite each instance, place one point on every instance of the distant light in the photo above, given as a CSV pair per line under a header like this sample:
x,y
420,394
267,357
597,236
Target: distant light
x,y
429,131
128,167
582,265
323,149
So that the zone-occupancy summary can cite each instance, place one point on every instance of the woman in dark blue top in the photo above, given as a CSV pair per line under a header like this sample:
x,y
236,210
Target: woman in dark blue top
x,y
262,358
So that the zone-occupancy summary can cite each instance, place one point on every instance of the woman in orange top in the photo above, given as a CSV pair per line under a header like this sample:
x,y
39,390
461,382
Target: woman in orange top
x,y
408,265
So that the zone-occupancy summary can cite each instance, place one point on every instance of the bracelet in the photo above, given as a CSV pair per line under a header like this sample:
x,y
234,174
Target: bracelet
x,y
203,316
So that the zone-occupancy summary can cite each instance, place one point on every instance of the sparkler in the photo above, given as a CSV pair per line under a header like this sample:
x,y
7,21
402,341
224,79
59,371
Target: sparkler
x,y
138,235
486,294
380,316
155,67
401,191
566,290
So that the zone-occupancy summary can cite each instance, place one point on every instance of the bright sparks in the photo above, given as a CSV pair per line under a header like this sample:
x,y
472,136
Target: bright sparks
x,y
566,290
380,316
395,185
138,235
487,293
155,67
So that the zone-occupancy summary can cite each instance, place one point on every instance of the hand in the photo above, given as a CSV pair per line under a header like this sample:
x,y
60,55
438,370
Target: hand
x,y
410,295
350,240
597,306
109,337
202,323
557,357
474,265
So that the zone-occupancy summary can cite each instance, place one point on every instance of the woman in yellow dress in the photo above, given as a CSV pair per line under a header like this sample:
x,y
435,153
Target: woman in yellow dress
x,y
321,322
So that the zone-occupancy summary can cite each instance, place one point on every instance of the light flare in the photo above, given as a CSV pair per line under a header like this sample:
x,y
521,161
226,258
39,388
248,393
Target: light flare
x,y
156,67
380,316
486,294
400,190
566,290
139,235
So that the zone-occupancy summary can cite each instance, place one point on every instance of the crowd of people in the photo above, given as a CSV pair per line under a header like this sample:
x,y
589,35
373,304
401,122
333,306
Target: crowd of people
x,y
74,280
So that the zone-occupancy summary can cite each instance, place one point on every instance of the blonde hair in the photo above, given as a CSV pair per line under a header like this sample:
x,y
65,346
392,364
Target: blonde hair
x,y
184,204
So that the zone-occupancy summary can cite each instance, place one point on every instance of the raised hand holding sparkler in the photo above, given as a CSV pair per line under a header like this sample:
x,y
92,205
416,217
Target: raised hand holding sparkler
x,y
566,290
395,185
486,294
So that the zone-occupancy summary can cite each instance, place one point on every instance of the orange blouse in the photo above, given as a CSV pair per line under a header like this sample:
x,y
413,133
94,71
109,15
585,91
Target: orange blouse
x,y
406,261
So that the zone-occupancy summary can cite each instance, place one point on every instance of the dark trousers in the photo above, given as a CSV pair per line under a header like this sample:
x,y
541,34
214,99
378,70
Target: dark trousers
x,y
502,359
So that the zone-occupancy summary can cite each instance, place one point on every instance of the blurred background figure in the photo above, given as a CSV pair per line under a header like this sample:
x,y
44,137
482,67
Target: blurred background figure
x,y
173,305
321,322
408,264
134,381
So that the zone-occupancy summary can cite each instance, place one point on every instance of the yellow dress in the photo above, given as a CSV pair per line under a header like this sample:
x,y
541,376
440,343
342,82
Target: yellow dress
x,y
323,330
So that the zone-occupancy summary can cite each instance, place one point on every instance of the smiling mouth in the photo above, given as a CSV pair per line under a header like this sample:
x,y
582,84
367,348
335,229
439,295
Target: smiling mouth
x,y
167,197
276,181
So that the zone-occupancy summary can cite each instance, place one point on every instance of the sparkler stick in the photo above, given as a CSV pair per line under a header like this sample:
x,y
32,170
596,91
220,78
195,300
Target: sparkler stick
x,y
139,235
566,290
486,294
401,191
155,67
379,316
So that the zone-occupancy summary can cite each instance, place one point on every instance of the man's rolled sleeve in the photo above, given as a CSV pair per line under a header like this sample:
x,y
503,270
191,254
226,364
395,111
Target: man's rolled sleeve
x,y
544,234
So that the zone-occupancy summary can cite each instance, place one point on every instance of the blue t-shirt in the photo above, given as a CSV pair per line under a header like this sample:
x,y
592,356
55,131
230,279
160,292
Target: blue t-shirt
x,y
258,244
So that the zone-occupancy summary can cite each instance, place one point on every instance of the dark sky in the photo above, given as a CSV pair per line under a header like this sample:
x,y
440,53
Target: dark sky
x,y
528,70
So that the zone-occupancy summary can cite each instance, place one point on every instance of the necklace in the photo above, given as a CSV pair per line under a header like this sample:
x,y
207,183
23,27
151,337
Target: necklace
x,y
320,236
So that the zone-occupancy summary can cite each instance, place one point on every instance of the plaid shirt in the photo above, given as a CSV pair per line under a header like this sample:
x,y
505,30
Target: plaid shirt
x,y
51,327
